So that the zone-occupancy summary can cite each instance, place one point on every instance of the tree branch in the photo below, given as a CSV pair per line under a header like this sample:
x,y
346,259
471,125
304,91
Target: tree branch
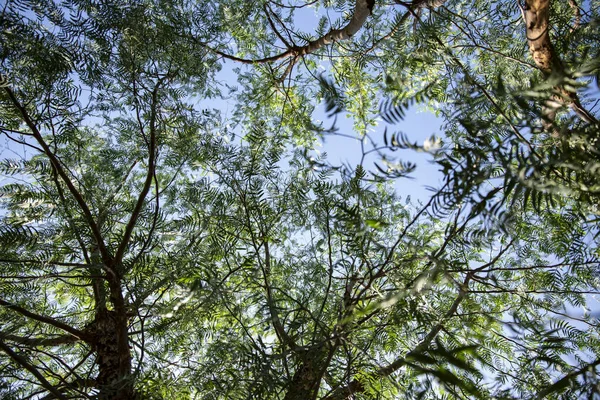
x,y
362,10
149,176
62,173
44,262
40,341
564,381
356,386
23,362
273,27
77,384
576,13
279,329
47,320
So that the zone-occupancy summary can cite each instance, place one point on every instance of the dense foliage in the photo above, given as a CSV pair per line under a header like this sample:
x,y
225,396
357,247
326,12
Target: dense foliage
x,y
167,232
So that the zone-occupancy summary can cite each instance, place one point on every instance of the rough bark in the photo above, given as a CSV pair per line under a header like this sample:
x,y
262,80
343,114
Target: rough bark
x,y
109,339
303,383
537,16
114,379
362,10
307,378
576,15
108,333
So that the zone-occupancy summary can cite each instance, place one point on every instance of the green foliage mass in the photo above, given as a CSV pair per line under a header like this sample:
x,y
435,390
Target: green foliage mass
x,y
167,232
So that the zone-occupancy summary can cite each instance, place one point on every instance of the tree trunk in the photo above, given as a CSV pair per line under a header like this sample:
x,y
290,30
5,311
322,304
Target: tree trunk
x,y
307,378
537,17
110,341
114,379
304,385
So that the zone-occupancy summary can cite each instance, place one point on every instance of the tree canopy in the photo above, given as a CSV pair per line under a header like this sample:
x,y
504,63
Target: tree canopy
x,y
154,245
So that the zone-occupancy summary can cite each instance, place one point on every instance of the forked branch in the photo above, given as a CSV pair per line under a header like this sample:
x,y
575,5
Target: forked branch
x,y
60,170
25,364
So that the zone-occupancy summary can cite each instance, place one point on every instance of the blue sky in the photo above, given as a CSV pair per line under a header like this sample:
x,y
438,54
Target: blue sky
x,y
418,125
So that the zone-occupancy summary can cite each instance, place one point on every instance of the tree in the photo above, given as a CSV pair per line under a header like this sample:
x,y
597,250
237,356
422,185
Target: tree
x,y
151,251
89,209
